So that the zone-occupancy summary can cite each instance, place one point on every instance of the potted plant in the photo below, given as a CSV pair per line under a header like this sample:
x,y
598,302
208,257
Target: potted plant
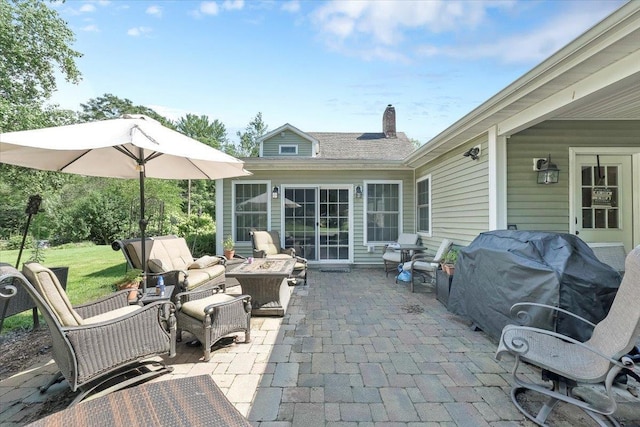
x,y
229,247
131,280
449,262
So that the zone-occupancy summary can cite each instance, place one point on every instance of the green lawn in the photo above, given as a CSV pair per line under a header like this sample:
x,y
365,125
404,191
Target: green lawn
x,y
92,272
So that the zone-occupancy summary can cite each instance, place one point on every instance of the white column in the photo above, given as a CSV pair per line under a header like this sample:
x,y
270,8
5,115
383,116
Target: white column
x,y
497,145
219,215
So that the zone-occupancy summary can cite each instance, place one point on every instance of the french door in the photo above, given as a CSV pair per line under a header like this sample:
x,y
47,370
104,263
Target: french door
x,y
603,200
317,222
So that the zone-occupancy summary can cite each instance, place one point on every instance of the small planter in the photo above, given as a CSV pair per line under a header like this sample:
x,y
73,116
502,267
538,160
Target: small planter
x,y
229,254
133,290
449,269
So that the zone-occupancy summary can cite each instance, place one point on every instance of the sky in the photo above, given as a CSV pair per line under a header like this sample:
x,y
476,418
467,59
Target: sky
x,y
321,66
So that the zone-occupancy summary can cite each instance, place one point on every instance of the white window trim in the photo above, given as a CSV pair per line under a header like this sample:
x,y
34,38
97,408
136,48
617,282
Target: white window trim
x,y
294,146
365,183
233,205
422,233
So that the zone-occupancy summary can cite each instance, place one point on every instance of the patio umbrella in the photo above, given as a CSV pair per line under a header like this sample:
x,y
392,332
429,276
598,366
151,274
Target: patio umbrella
x,y
133,146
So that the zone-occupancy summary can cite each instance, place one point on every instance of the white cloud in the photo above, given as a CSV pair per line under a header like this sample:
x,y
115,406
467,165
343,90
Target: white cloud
x,y
209,8
385,20
528,47
91,28
138,31
154,11
233,4
86,8
292,6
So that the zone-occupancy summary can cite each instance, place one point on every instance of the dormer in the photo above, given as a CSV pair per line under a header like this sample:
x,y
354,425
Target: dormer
x,y
288,141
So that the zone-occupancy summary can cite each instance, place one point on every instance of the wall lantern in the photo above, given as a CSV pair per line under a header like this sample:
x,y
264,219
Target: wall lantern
x,y
358,191
275,192
547,172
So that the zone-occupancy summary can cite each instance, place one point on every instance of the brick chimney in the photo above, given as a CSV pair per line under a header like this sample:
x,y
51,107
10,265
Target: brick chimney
x,y
389,122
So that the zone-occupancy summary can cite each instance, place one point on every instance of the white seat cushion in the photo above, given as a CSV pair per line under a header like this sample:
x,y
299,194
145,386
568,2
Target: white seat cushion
x,y
392,256
113,314
421,266
195,308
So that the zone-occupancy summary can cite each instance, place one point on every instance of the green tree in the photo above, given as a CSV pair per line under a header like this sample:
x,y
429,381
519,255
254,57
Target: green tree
x,y
249,146
34,43
200,128
109,106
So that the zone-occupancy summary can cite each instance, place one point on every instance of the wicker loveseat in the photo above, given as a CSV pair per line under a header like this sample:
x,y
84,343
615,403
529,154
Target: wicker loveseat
x,y
170,257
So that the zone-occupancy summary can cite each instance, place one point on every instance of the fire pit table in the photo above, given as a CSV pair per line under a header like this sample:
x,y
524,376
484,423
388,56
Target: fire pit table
x,y
265,280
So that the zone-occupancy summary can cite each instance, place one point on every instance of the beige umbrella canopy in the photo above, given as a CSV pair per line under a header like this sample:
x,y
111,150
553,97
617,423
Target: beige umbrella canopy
x,y
133,146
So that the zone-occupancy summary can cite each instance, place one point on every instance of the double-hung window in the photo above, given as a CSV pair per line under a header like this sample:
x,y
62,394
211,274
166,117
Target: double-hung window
x,y
423,204
383,201
251,207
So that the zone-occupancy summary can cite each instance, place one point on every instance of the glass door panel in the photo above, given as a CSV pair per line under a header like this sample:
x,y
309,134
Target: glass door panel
x,y
300,221
333,224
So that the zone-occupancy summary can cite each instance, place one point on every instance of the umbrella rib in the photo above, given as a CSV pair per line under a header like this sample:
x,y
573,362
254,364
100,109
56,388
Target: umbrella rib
x,y
126,152
73,161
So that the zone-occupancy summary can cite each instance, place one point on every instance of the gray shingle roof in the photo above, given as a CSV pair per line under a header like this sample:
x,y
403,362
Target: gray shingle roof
x,y
374,146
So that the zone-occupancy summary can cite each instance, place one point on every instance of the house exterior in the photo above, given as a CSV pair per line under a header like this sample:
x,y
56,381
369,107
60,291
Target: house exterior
x,y
336,197
578,110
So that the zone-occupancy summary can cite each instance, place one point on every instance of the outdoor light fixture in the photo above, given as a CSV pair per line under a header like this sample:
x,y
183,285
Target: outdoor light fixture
x,y
547,172
474,153
359,191
275,192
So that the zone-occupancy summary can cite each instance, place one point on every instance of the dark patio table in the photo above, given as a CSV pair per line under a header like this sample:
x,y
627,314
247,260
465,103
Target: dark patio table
x,y
190,401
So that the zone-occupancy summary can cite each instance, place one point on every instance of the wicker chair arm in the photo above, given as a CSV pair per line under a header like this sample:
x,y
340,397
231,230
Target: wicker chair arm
x,y
246,298
302,260
289,251
523,315
110,302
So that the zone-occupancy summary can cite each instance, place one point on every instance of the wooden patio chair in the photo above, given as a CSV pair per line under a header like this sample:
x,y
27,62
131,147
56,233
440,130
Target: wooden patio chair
x,y
567,362
266,244
101,346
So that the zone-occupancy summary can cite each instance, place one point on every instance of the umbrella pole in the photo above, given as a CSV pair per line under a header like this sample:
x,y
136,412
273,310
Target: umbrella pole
x,y
143,224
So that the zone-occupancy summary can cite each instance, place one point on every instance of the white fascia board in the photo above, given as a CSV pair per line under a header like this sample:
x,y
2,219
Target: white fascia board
x,y
627,67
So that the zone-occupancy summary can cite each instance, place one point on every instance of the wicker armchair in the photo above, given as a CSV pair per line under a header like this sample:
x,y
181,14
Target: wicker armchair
x,y
97,342
266,244
210,314
567,362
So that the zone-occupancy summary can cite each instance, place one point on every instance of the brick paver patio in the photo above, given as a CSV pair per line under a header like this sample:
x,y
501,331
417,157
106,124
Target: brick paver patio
x,y
354,349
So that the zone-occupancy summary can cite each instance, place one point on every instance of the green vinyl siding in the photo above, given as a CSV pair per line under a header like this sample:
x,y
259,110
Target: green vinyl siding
x,y
459,196
271,147
532,206
348,179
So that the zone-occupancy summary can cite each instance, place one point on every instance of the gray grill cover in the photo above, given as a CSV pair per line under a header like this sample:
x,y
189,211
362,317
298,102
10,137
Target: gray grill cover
x,y
501,268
